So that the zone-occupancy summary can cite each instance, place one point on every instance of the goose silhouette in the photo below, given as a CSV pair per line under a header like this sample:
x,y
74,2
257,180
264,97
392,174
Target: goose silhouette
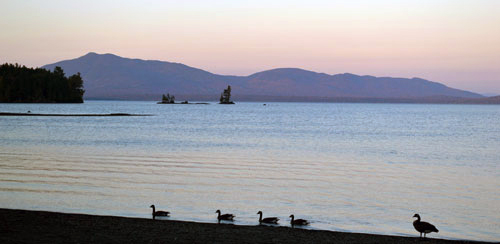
x,y
294,221
227,217
269,220
423,227
159,213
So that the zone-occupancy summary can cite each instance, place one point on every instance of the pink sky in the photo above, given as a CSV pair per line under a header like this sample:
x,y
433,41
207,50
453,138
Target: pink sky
x,y
453,42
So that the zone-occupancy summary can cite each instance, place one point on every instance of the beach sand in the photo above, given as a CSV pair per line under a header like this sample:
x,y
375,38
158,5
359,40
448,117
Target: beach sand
x,y
22,226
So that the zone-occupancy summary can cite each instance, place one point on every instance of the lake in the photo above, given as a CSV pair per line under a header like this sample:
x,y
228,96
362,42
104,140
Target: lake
x,y
346,167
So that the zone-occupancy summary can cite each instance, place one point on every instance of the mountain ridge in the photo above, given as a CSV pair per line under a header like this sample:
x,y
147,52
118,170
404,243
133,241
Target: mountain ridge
x,y
109,76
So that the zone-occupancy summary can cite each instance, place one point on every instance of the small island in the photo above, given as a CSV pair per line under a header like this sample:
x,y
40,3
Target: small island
x,y
168,99
225,97
19,84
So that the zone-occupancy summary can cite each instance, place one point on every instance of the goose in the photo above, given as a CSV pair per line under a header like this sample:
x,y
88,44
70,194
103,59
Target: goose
x,y
159,213
298,221
270,220
228,217
423,227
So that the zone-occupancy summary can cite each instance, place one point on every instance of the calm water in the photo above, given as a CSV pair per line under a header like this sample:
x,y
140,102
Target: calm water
x,y
348,167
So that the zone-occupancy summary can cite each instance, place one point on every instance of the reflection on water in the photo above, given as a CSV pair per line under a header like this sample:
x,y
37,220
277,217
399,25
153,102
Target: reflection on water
x,y
347,167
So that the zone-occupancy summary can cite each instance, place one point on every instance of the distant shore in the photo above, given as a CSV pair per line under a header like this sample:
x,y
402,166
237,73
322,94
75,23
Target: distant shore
x,y
495,100
186,102
22,226
75,115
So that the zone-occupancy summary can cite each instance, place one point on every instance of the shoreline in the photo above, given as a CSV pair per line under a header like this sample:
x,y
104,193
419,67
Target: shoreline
x,y
26,226
493,100
73,115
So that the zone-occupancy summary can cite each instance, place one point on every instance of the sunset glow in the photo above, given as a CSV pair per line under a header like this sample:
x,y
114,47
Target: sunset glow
x,y
452,42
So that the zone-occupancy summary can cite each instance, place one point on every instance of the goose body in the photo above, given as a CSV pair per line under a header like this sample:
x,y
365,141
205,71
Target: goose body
x,y
269,220
294,221
423,227
228,217
159,213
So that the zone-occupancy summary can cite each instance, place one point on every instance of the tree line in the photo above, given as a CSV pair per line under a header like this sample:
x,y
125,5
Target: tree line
x,y
225,97
19,84
167,98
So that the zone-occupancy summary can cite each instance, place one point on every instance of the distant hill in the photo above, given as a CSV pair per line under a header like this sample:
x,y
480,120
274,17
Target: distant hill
x,y
108,76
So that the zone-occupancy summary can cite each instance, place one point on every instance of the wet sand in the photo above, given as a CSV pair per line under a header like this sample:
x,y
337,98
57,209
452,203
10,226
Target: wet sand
x,y
21,226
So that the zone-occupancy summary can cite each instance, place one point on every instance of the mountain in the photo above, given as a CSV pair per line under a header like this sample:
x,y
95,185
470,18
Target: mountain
x,y
109,76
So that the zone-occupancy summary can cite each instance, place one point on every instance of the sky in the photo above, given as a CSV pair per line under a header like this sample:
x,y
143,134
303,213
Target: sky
x,y
454,42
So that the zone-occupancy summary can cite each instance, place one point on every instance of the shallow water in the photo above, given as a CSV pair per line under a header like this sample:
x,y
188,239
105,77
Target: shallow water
x,y
348,167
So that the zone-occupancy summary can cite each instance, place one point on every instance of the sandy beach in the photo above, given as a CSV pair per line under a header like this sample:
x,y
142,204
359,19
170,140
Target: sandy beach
x,y
21,226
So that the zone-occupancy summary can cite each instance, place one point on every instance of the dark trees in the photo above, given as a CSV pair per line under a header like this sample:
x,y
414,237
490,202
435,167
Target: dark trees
x,y
28,85
225,97
167,98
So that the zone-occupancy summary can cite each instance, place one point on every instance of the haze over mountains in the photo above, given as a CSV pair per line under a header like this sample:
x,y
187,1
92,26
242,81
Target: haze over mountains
x,y
108,76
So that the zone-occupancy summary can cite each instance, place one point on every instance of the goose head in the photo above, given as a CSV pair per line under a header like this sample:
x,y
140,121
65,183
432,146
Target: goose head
x,y
218,211
291,216
260,212
152,206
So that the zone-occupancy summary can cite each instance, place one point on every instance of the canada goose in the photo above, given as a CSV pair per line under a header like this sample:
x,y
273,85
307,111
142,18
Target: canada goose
x,y
270,220
423,227
158,213
228,217
298,221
